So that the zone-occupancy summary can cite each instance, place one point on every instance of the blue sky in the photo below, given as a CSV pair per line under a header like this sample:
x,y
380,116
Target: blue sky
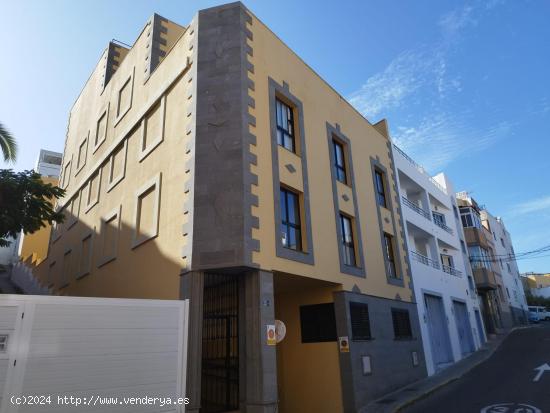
x,y
465,85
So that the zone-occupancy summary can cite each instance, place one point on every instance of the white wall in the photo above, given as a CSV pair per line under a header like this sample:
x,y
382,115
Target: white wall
x,y
427,279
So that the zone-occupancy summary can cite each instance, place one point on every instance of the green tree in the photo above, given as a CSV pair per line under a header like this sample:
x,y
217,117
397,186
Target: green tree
x,y
7,144
26,203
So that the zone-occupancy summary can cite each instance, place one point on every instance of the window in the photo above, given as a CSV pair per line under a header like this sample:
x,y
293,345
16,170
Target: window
x,y
502,242
479,257
348,245
390,256
439,219
117,165
339,162
91,192
66,174
380,189
508,292
318,323
146,224
67,268
360,322
463,246
81,156
124,98
3,343
470,217
152,128
101,130
85,260
401,323
455,210
291,230
51,274
508,267
110,225
285,126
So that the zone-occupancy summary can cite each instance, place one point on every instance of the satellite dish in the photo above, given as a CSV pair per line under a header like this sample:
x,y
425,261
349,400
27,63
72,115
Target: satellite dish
x,y
280,331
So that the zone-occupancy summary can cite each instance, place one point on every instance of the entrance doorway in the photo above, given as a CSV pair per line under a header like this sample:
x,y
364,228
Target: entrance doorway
x,y
438,330
220,344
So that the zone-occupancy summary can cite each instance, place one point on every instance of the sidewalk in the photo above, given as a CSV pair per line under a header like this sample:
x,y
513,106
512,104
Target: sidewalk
x,y
394,402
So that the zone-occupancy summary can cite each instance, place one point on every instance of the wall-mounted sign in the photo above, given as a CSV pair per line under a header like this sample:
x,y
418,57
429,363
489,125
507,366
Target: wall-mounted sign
x,y
343,343
271,335
280,331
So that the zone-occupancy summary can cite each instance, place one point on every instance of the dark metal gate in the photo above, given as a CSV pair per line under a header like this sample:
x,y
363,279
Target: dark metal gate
x,y
220,344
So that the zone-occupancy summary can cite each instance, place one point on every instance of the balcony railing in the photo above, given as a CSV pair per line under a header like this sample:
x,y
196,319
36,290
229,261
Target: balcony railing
x,y
420,168
416,208
451,270
443,226
424,260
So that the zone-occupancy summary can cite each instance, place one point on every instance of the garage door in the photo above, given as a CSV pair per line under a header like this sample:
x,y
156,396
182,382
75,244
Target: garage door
x,y
439,333
105,353
464,328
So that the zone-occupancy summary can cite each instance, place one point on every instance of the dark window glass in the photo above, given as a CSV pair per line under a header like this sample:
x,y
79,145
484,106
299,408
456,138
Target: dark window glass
x,y
360,322
285,125
401,323
339,162
390,256
291,230
348,246
318,323
380,191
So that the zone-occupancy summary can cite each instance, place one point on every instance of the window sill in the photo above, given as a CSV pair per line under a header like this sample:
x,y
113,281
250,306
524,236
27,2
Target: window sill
x,y
83,274
106,260
89,207
139,241
143,154
114,183
98,144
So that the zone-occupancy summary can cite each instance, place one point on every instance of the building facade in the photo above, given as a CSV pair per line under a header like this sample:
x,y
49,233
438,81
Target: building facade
x,y
209,162
448,306
514,295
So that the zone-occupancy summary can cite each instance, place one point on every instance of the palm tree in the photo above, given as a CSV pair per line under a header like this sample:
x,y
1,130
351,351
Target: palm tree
x,y
7,144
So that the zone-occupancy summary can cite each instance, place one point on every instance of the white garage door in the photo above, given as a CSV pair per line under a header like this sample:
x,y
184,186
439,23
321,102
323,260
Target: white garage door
x,y
109,355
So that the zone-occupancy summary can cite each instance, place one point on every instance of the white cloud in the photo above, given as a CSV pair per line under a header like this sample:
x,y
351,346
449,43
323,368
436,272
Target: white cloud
x,y
424,76
440,138
534,205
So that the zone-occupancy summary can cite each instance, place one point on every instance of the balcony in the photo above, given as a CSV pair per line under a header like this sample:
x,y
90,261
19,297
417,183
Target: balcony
x,y
420,169
416,208
442,225
485,279
451,270
424,260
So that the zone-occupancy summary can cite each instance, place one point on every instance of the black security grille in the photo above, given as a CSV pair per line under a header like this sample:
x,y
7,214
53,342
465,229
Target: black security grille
x,y
318,323
401,323
360,322
220,344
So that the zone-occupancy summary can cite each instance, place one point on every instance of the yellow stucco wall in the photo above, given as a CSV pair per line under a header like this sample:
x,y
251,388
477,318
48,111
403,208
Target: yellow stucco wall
x,y
308,374
321,104
34,246
150,270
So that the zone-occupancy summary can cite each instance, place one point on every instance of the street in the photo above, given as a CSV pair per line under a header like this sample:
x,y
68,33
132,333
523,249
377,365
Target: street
x,y
508,382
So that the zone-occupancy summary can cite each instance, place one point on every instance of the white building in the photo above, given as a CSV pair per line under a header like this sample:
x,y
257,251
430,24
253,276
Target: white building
x,y
448,306
49,163
513,294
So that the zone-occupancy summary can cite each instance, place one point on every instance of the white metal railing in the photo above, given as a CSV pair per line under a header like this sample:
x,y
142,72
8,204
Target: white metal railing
x,y
420,168
451,270
424,260
416,208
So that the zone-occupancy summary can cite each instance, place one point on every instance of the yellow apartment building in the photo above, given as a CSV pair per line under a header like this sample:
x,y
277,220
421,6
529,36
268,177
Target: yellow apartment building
x,y
209,162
